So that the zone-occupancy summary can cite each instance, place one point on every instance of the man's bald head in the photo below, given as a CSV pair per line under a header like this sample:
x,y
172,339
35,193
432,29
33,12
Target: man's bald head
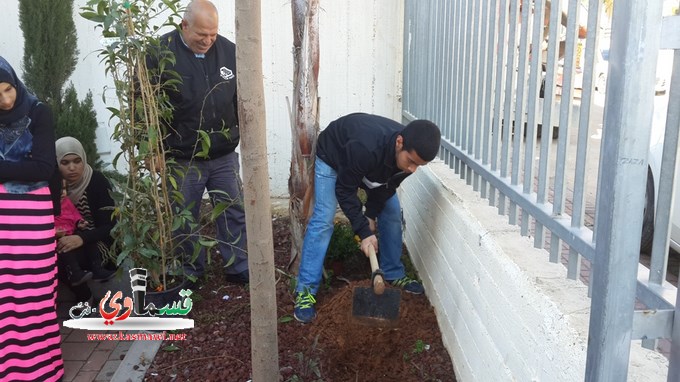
x,y
200,25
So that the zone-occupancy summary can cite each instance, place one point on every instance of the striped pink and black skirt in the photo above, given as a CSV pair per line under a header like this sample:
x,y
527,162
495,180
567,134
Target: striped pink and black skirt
x,y
29,330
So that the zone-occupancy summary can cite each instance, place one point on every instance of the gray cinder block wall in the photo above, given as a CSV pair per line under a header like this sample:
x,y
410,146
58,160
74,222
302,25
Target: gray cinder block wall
x,y
505,312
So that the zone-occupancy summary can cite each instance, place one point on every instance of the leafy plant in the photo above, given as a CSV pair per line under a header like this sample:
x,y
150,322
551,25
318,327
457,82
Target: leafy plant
x,y
171,348
342,244
78,119
419,347
309,368
146,202
327,278
285,319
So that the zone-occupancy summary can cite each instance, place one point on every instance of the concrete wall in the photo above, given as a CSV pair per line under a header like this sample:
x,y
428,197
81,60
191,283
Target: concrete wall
x,y
361,59
506,313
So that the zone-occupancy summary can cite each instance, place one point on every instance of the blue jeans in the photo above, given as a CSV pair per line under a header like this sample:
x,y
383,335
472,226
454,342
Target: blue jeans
x,y
221,178
320,230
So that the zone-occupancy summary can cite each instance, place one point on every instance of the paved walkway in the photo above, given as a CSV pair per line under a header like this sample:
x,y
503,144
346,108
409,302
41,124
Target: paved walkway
x,y
87,360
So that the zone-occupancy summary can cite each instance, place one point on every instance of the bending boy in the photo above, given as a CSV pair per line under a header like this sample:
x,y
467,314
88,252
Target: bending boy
x,y
376,154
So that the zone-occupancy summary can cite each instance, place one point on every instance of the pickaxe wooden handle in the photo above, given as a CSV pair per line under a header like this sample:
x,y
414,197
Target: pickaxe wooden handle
x,y
377,276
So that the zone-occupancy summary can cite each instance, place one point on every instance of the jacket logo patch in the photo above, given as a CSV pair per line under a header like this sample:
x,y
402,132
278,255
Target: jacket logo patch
x,y
371,185
226,73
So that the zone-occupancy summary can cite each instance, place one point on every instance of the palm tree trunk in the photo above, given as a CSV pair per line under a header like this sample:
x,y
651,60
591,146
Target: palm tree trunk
x,y
304,120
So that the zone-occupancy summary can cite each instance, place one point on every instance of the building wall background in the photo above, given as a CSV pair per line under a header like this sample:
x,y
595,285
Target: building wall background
x,y
361,66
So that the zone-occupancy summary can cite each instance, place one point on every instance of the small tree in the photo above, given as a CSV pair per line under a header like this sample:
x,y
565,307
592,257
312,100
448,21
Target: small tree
x,y
78,119
251,111
50,56
147,205
50,42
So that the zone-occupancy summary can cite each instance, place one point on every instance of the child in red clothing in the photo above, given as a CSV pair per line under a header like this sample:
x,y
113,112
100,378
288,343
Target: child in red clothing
x,y
65,224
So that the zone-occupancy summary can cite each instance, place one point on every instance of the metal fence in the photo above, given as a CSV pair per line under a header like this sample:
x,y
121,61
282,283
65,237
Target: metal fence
x,y
518,89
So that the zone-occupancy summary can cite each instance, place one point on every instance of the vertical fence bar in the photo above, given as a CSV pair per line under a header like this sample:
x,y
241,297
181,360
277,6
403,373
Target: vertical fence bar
x,y
406,86
664,205
510,80
478,81
421,50
566,108
592,43
518,130
450,72
666,186
490,59
535,76
628,116
546,128
588,85
466,93
457,84
498,102
434,83
446,62
437,68
476,92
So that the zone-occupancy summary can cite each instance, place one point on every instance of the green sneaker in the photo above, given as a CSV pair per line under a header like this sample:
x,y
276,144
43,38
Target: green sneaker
x,y
409,285
304,306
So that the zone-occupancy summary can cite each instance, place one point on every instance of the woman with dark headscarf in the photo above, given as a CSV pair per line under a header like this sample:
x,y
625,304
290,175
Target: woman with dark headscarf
x,y
90,192
29,331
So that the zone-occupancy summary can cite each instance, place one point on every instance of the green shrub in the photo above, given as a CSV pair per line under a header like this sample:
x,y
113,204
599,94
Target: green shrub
x,y
342,244
78,119
50,46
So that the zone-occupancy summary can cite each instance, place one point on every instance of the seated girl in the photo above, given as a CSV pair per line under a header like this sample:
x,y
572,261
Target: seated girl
x,y
90,193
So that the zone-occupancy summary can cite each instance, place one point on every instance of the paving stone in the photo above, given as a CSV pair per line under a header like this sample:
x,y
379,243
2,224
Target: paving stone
x,y
108,370
78,336
107,345
96,360
71,369
120,350
86,376
132,368
77,351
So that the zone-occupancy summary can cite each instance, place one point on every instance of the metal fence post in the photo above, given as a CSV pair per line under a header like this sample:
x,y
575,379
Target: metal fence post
x,y
628,117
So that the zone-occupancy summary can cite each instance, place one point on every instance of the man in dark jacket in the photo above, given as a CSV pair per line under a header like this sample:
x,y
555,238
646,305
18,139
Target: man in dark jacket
x,y
376,154
205,106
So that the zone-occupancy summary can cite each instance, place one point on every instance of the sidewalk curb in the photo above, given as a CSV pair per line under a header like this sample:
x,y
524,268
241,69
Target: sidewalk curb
x,y
136,361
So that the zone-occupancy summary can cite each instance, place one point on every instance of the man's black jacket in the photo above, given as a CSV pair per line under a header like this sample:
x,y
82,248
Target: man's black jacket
x,y
205,100
361,148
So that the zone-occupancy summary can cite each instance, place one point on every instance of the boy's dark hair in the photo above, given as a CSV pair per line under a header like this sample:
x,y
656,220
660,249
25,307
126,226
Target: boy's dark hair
x,y
422,136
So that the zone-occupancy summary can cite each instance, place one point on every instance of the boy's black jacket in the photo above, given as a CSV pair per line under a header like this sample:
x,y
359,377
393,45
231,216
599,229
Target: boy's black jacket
x,y
362,147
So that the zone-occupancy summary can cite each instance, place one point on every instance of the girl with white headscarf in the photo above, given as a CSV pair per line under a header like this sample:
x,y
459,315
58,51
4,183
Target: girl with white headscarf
x,y
90,192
